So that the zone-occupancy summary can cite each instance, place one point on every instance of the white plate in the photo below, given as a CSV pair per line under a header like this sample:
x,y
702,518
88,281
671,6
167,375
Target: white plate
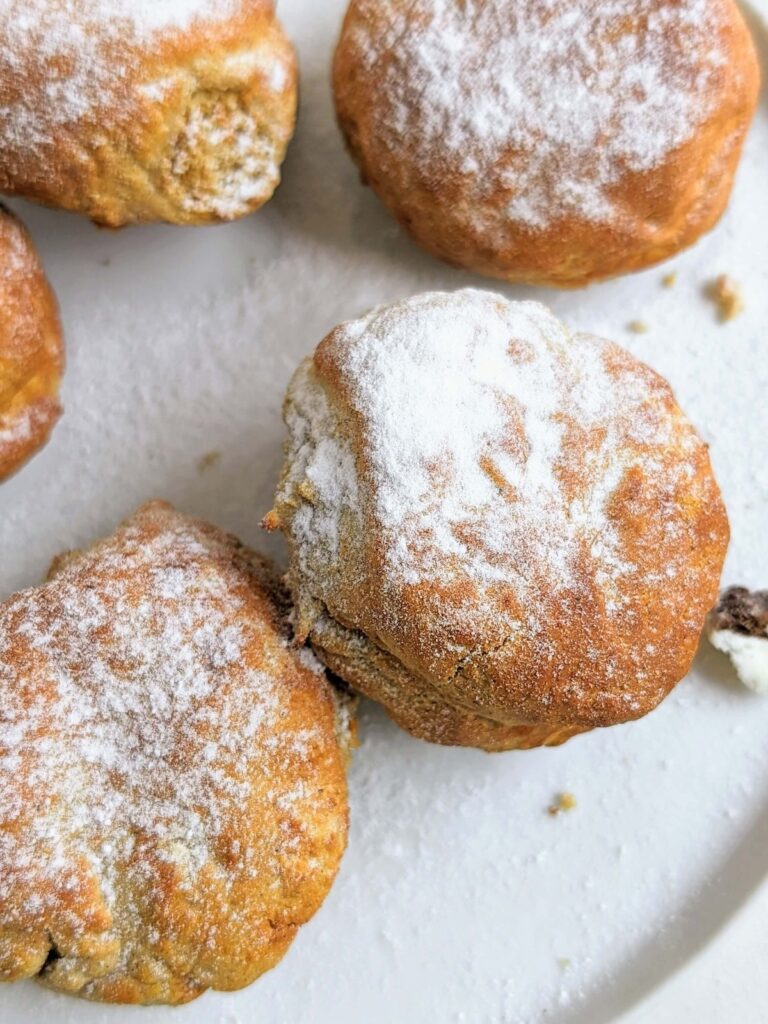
x,y
459,899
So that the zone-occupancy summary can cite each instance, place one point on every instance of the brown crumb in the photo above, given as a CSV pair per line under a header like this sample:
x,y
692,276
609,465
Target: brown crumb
x,y
637,326
726,295
669,280
562,802
271,521
308,491
207,461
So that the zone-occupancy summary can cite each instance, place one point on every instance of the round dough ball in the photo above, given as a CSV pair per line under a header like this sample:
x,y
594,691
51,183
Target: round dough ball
x,y
172,110
31,349
552,142
505,532
173,802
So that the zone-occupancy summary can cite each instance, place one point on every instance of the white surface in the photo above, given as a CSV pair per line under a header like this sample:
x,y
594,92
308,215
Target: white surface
x,y
726,983
459,899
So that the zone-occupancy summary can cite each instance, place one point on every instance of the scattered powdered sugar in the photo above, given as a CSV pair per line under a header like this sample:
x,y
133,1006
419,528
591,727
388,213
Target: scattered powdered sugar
x,y
149,16
446,843
83,53
494,441
66,20
550,101
18,254
132,715
324,461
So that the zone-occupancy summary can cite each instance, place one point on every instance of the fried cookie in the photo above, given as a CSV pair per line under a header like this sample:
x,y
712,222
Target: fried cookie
x,y
175,110
504,531
548,141
173,800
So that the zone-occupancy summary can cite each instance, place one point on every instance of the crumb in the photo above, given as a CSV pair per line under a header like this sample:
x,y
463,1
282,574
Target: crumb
x,y
208,460
726,295
669,280
105,262
564,962
308,491
271,521
637,326
562,802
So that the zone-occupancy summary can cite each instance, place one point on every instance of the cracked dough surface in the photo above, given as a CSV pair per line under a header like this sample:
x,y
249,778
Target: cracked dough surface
x,y
505,532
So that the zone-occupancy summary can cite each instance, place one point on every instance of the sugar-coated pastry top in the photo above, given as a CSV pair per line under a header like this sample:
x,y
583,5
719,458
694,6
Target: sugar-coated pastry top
x,y
31,348
172,773
88,51
519,514
492,120
473,85
188,104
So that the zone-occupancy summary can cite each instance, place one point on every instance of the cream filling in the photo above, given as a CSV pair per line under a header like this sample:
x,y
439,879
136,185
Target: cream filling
x,y
749,655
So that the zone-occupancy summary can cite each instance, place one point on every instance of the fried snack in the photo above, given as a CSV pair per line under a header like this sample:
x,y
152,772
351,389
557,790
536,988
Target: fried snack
x,y
171,110
31,349
505,532
556,143
173,801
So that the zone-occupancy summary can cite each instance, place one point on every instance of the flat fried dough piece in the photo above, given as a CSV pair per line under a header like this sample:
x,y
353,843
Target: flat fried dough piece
x,y
172,772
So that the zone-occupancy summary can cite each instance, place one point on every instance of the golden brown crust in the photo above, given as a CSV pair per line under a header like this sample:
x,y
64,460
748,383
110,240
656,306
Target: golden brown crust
x,y
417,705
173,803
31,349
186,124
570,595
463,216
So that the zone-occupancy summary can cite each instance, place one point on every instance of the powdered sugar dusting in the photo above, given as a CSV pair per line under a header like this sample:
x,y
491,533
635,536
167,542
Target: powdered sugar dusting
x,y
446,843
87,69
144,706
18,255
149,16
83,51
548,101
323,466
139,19
469,405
